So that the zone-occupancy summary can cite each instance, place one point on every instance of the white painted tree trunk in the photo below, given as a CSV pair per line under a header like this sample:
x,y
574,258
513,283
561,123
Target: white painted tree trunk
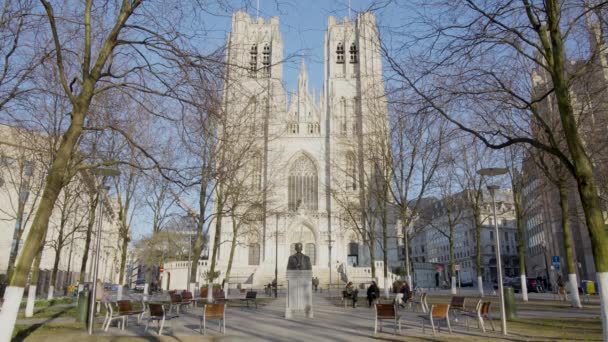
x,y
602,278
209,292
524,288
573,282
386,288
480,285
409,281
10,308
50,294
454,290
146,289
119,292
31,301
193,288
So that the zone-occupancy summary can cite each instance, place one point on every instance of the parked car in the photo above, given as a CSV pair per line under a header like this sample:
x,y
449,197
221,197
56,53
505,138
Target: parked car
x,y
139,285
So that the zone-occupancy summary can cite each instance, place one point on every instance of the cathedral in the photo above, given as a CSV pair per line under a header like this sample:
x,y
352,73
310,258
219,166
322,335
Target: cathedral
x,y
304,156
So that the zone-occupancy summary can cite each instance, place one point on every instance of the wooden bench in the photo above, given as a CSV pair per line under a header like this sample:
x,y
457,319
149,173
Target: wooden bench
x,y
213,311
251,296
387,312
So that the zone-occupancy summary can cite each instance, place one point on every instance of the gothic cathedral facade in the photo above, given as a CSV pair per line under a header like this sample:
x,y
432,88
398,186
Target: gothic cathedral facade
x,y
303,163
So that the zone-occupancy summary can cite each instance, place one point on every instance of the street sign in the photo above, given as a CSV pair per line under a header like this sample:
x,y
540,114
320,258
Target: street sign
x,y
555,259
556,266
457,267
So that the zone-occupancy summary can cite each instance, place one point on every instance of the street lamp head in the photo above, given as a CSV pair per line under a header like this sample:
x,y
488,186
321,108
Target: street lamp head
x,y
492,171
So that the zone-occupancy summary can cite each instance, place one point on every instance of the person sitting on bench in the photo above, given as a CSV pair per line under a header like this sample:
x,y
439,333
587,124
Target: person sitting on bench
x,y
372,293
404,294
351,292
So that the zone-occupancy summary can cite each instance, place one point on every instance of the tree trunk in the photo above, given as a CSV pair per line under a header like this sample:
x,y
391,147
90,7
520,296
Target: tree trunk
x,y
583,168
478,226
33,242
216,237
452,260
519,215
569,257
55,270
123,259
31,295
232,247
87,241
197,249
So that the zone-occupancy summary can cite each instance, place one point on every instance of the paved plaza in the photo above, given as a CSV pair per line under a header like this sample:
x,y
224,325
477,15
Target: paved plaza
x,y
331,322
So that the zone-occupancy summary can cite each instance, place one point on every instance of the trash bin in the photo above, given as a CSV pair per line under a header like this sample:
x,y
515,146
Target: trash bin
x,y
590,287
510,310
83,306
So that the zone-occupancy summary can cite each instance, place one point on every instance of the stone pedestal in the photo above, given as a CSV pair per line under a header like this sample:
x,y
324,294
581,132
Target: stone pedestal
x,y
299,293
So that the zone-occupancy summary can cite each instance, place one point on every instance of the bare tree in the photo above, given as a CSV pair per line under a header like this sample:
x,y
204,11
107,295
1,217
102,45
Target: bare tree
x,y
487,65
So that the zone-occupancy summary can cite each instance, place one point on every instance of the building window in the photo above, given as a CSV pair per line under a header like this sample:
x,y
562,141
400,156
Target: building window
x,y
266,60
340,53
342,116
492,235
353,53
253,110
351,171
303,185
253,60
256,175
293,128
311,251
254,254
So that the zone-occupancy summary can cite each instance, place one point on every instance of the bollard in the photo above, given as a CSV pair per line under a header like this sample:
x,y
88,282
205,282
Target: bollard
x,y
510,309
83,308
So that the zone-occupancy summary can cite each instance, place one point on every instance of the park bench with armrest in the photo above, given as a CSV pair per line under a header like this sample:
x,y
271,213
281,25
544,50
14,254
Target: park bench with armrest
x,y
481,312
251,296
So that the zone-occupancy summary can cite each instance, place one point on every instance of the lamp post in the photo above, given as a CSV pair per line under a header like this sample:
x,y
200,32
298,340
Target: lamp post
x,y
104,172
491,172
276,257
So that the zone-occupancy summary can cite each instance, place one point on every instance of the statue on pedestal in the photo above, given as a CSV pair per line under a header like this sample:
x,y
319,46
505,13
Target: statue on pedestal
x,y
298,261
299,284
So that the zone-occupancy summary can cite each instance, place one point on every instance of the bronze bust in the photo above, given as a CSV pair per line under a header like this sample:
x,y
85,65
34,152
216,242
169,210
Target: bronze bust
x,y
298,261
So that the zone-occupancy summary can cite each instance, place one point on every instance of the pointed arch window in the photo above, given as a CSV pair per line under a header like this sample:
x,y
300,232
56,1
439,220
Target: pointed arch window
x,y
340,53
342,118
266,60
311,251
351,171
254,253
256,174
303,185
253,60
252,109
354,58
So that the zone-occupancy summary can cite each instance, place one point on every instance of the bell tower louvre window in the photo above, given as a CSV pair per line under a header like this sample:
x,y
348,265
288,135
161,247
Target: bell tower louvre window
x,y
353,53
266,60
253,60
340,54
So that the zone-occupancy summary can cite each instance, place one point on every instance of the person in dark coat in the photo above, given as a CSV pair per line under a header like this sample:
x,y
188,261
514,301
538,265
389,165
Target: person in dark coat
x,y
372,293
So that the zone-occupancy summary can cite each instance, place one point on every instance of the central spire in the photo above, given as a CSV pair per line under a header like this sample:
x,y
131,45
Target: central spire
x,y
302,79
